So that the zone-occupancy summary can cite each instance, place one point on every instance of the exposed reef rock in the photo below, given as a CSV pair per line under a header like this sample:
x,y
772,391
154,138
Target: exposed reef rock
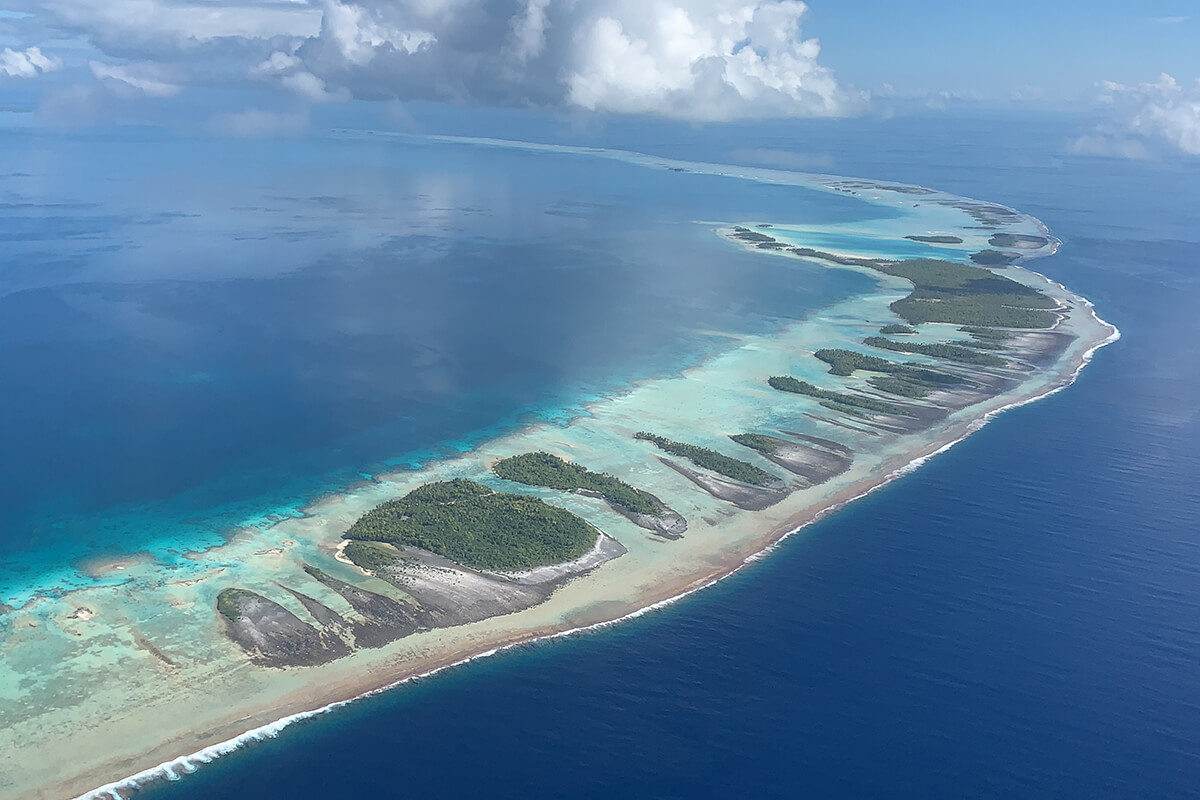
x,y
840,424
1039,347
816,463
521,549
748,498
434,592
450,595
1018,241
555,575
855,186
274,636
989,215
326,616
670,524
383,619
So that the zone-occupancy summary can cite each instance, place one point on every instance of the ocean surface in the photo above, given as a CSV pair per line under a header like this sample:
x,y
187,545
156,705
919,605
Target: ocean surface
x,y
1018,618
217,332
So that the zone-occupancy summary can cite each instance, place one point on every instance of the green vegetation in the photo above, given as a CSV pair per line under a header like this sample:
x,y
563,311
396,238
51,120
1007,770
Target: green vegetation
x,y
1018,240
544,469
905,380
756,441
850,261
789,384
893,330
936,239
476,527
227,603
985,338
956,293
370,556
747,235
845,362
902,386
986,334
993,258
987,215
983,345
711,459
945,291
949,352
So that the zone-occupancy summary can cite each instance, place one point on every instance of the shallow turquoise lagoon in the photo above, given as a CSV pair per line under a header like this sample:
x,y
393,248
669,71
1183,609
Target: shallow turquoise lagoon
x,y
222,331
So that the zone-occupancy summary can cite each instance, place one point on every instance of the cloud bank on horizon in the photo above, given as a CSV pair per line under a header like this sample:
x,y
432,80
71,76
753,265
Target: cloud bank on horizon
x,y
704,60
1144,119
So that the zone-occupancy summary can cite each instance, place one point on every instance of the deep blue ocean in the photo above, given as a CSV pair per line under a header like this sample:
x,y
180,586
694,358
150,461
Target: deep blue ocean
x,y
196,333
1019,618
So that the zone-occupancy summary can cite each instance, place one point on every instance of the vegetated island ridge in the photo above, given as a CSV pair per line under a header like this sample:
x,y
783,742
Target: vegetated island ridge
x,y
550,529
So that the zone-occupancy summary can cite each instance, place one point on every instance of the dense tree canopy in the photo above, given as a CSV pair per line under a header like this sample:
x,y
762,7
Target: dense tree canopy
x,y
477,527
711,459
544,469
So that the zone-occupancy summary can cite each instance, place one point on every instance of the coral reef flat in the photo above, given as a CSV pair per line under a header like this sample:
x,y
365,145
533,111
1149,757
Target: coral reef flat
x,y
288,618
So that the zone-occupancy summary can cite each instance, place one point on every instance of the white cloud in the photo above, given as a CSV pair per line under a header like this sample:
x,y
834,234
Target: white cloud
x,y
279,63
1144,119
256,123
529,30
145,78
1108,143
28,63
702,59
359,32
289,71
691,59
313,89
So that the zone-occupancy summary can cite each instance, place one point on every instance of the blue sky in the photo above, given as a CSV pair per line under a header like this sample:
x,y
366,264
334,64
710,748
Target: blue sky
x,y
262,66
998,51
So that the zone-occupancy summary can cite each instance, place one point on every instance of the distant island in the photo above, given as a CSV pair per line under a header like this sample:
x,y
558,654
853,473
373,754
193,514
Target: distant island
x,y
936,239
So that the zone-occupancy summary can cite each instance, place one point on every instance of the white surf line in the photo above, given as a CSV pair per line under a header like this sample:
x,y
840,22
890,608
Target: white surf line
x,y
170,770
187,764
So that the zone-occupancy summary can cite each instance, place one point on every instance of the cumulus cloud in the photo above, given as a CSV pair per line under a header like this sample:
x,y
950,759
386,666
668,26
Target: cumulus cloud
x,y
144,78
28,63
691,59
1145,119
529,30
278,63
290,73
359,32
705,60
312,88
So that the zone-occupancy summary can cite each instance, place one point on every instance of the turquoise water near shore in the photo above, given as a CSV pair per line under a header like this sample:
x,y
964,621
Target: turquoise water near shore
x,y
1018,618
203,344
